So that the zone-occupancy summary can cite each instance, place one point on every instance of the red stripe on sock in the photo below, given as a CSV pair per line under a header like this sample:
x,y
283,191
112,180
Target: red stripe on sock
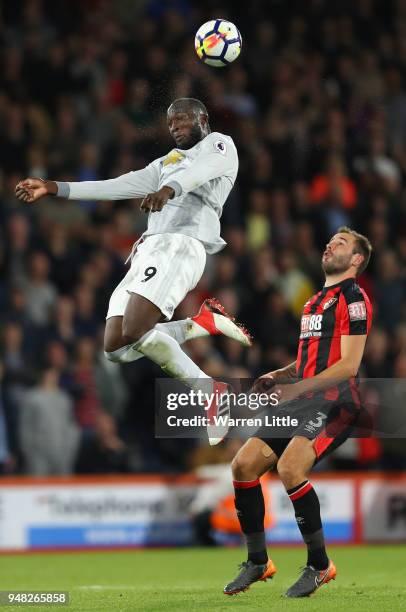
x,y
305,489
245,484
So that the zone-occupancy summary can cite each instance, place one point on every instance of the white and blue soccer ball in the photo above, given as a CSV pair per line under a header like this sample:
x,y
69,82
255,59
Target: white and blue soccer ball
x,y
218,43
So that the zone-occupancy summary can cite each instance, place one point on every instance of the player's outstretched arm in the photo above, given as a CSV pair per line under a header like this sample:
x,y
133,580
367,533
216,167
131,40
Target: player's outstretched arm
x,y
136,184
32,189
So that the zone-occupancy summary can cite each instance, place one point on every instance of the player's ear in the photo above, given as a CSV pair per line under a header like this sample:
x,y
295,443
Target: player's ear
x,y
357,259
204,122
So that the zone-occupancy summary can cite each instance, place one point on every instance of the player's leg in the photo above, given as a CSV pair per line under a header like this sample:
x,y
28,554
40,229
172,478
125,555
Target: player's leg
x,y
253,459
293,467
121,332
117,347
113,336
251,462
139,332
210,320
158,346
163,276
164,268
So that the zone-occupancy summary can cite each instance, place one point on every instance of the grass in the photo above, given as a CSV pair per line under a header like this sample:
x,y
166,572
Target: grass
x,y
369,578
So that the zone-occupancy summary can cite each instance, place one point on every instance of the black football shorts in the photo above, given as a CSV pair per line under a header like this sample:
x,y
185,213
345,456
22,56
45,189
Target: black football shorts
x,y
328,423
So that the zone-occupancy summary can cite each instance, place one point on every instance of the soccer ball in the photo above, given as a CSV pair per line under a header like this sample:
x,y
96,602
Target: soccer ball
x,y
218,42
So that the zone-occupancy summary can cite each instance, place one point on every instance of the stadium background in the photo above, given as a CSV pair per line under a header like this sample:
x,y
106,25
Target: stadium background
x,y
317,107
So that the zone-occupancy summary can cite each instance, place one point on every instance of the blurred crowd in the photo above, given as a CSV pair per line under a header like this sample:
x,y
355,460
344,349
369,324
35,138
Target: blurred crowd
x,y
316,105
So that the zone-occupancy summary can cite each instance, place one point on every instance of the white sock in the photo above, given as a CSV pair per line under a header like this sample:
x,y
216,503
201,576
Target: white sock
x,y
174,329
165,351
125,354
181,331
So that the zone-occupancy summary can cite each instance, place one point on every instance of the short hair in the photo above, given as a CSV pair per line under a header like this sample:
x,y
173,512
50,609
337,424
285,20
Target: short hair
x,y
188,104
362,246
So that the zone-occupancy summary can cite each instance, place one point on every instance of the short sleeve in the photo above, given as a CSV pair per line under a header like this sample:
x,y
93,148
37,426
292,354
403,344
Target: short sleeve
x,y
355,312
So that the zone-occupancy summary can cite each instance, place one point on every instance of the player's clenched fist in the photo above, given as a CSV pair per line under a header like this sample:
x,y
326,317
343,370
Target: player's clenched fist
x,y
155,202
32,189
265,383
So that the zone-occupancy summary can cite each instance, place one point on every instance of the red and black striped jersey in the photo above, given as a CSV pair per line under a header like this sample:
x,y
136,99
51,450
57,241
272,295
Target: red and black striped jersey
x,y
343,309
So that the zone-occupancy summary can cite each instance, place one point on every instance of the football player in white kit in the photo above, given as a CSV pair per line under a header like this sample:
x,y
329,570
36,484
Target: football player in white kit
x,y
183,193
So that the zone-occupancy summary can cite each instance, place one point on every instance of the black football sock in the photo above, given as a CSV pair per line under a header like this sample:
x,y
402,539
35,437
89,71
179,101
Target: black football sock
x,y
250,507
307,511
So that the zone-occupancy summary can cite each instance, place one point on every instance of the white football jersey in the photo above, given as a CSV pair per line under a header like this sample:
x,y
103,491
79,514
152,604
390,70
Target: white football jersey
x,y
202,178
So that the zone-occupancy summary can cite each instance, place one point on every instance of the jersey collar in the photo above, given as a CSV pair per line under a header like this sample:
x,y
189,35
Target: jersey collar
x,y
343,283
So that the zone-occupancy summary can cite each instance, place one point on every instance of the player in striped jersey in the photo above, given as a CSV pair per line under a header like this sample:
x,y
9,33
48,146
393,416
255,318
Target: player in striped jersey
x,y
334,328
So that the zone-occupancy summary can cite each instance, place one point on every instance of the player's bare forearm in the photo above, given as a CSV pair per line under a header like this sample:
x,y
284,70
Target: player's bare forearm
x,y
339,371
288,371
352,350
52,187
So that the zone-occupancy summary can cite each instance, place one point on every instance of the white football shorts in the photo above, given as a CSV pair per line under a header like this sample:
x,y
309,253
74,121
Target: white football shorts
x,y
164,268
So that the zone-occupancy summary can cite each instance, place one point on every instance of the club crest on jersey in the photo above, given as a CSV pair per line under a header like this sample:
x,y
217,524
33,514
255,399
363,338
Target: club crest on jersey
x,y
174,157
329,303
357,311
